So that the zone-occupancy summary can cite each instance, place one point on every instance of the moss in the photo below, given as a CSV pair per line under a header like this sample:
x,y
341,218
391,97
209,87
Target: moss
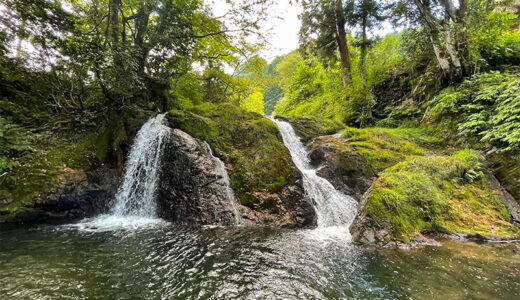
x,y
40,172
507,169
438,193
247,141
382,147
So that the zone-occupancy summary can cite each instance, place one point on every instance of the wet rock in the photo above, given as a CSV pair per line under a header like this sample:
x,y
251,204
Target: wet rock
x,y
341,165
306,128
81,194
191,192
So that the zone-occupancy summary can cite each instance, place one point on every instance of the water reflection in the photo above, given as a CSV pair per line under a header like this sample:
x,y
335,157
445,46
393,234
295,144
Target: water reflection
x,y
217,263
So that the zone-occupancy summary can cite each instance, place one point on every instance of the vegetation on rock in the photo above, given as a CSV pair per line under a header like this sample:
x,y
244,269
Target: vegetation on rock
x,y
248,142
438,194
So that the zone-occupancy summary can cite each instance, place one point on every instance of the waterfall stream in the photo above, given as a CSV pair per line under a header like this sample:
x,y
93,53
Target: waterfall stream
x,y
222,173
333,208
134,204
136,195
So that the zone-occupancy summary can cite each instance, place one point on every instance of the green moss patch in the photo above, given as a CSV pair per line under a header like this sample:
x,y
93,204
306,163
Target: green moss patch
x,y
438,193
247,141
38,173
385,147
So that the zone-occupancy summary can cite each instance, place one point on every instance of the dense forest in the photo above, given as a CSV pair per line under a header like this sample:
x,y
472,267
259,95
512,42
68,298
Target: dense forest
x,y
78,79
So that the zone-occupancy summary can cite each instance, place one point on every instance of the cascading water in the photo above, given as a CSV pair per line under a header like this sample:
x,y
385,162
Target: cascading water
x,y
134,204
333,208
136,195
222,173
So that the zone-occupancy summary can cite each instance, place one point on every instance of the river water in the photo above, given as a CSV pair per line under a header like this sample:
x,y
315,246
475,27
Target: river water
x,y
159,260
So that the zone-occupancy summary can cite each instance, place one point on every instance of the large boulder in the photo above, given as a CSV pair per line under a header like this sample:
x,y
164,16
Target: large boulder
x,y
435,194
191,190
262,174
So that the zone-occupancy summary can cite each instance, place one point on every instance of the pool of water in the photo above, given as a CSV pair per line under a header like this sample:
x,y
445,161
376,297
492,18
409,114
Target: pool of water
x,y
158,260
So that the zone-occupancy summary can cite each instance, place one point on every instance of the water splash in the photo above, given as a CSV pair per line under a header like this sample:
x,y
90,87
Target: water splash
x,y
136,195
334,209
222,173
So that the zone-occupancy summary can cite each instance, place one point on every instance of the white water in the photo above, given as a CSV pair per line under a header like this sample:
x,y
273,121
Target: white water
x,y
222,173
134,204
335,210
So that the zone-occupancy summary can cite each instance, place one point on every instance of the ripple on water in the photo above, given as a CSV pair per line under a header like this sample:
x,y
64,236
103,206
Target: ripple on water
x,y
165,261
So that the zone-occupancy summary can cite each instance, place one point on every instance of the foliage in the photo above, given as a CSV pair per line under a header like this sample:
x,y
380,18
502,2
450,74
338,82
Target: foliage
x,y
254,103
484,108
497,44
438,193
318,91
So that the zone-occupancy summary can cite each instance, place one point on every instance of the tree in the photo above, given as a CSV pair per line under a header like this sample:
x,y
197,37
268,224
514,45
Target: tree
x,y
324,21
366,14
287,67
254,102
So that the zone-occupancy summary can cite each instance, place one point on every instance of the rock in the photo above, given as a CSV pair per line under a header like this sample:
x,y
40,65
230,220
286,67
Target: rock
x,y
507,200
190,193
370,232
306,128
81,194
506,168
341,165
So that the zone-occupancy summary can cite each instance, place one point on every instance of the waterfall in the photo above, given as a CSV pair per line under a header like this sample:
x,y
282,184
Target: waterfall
x,y
136,195
333,208
222,173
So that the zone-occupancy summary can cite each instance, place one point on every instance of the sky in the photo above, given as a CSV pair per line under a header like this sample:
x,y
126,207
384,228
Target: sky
x,y
281,30
284,32
283,27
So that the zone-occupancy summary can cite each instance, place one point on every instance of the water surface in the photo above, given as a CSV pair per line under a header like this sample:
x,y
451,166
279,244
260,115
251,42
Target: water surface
x,y
159,260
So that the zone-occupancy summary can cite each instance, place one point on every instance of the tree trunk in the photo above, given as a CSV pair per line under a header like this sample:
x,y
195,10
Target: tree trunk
x,y
364,46
341,39
114,7
451,50
20,40
444,64
141,25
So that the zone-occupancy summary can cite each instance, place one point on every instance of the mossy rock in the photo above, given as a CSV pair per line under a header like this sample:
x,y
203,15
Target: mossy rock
x,y
247,142
308,128
433,194
338,162
38,173
385,147
506,166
